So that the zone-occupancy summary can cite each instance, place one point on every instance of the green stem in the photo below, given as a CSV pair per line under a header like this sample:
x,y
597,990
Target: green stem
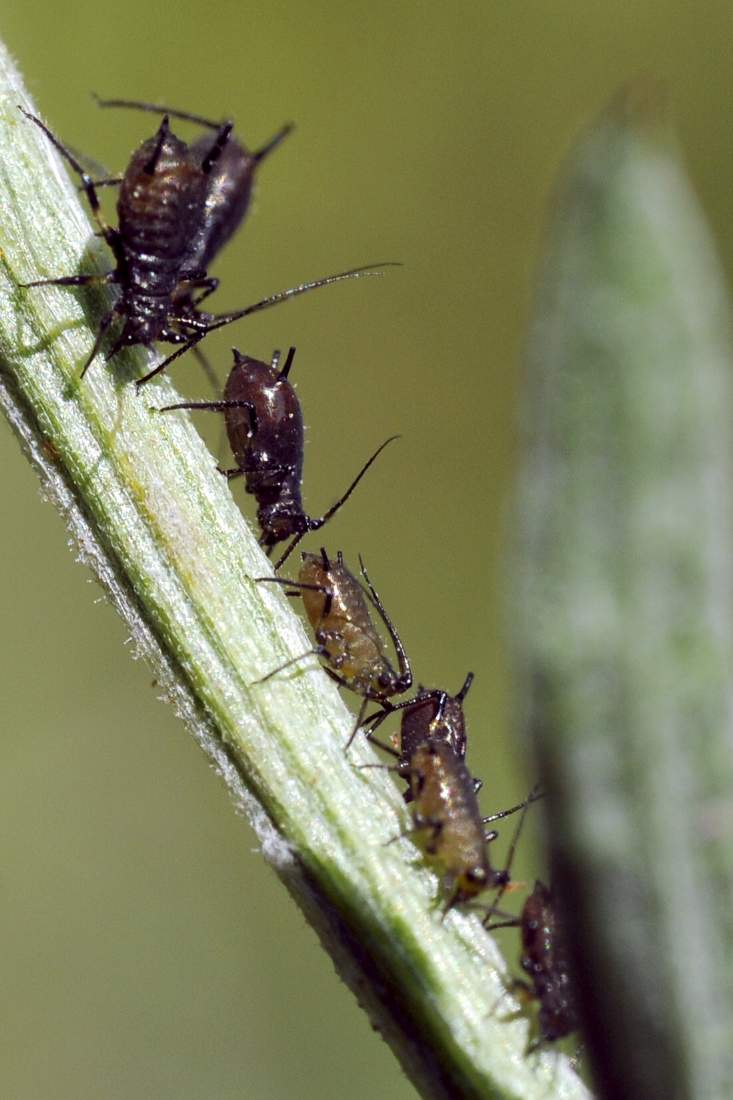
x,y
158,525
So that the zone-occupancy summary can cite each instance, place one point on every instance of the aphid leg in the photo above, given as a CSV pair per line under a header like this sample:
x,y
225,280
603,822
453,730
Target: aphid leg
x,y
106,181
207,285
216,406
420,827
317,651
510,922
101,331
358,723
405,677
74,280
296,584
220,321
533,795
524,993
110,235
372,722
231,473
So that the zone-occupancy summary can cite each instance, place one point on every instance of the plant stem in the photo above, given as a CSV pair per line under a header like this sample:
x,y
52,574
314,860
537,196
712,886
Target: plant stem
x,y
157,524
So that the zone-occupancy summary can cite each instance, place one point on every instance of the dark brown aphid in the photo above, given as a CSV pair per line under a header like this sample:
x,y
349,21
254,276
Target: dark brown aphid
x,y
431,716
448,825
545,958
264,424
346,636
161,209
228,192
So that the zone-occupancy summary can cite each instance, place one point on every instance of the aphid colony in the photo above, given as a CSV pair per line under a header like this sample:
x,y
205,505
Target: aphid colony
x,y
178,205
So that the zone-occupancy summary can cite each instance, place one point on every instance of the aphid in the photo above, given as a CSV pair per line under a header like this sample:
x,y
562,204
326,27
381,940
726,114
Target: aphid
x,y
264,423
346,636
448,825
161,209
228,192
431,716
545,958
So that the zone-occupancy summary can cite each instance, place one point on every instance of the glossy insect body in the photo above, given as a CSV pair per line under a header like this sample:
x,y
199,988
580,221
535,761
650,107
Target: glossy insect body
x,y
338,611
165,227
264,424
228,196
160,206
545,959
345,634
448,823
433,715
228,191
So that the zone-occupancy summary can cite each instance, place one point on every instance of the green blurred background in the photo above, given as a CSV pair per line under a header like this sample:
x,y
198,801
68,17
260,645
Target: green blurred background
x,y
147,950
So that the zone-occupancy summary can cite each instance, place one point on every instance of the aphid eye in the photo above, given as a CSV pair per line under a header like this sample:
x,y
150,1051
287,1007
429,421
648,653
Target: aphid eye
x,y
476,875
385,680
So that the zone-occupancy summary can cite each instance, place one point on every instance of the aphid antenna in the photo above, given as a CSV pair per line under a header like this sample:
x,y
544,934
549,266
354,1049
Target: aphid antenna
x,y
315,524
219,321
157,109
405,678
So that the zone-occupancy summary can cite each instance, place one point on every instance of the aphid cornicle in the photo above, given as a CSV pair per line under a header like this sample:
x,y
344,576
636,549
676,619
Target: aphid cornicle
x,y
545,959
346,636
161,209
264,424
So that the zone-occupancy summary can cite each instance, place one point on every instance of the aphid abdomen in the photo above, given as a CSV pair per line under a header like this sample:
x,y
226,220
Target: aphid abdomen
x,y
443,793
228,197
339,615
158,211
266,438
545,960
